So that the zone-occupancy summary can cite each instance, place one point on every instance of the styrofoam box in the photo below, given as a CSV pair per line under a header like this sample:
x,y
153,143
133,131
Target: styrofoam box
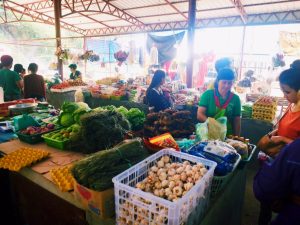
x,y
131,202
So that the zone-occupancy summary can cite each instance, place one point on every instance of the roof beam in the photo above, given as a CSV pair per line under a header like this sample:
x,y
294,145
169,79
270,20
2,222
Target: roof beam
x,y
40,5
254,19
97,21
37,16
177,10
240,8
104,6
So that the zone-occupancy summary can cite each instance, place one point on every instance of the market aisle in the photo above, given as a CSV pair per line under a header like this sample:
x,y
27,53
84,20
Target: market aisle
x,y
251,205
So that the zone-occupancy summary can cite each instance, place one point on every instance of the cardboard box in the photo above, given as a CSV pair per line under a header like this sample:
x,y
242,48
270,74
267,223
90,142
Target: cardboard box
x,y
101,203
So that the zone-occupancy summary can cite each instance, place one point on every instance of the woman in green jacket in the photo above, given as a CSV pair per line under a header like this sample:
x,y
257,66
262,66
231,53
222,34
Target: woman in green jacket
x,y
222,102
75,74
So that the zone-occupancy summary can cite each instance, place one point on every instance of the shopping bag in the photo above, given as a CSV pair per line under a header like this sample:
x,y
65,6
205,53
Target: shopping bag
x,y
266,145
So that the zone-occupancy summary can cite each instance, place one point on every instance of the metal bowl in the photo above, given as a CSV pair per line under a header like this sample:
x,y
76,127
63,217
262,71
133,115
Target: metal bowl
x,y
22,108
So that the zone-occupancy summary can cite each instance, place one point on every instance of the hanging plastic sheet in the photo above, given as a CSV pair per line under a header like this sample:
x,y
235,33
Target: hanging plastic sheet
x,y
165,45
105,49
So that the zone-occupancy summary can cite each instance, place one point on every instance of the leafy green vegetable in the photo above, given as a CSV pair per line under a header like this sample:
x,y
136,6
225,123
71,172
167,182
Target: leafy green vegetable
x,y
122,110
79,112
71,112
137,118
109,107
102,130
69,107
65,119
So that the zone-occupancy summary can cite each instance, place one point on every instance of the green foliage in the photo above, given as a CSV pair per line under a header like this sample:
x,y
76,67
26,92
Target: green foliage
x,y
71,113
97,170
136,117
65,119
122,110
102,129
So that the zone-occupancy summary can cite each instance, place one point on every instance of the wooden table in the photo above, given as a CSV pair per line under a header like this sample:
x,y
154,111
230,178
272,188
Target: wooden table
x,y
37,201
33,198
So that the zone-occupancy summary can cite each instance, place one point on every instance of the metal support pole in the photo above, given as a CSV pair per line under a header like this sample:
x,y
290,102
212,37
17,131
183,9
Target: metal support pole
x,y
191,34
242,54
84,50
57,13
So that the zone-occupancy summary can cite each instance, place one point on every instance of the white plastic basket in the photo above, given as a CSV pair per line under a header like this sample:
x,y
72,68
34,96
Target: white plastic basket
x,y
131,202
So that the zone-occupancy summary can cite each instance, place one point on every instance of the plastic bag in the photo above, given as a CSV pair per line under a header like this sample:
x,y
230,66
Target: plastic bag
x,y
24,121
217,128
202,131
212,129
78,95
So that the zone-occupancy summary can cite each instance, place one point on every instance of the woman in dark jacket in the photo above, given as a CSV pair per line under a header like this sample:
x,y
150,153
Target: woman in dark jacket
x,y
154,96
278,184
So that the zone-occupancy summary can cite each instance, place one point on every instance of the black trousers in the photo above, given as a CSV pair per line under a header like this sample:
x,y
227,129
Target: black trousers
x,y
265,214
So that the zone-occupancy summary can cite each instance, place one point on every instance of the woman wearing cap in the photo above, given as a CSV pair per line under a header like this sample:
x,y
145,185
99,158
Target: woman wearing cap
x,y
10,81
75,74
222,102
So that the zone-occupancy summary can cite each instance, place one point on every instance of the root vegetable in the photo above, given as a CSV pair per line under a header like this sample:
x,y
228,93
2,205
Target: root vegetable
x,y
177,191
171,172
160,164
166,159
165,183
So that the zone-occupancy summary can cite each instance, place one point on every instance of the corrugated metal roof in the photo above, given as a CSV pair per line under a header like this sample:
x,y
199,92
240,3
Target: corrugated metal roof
x,y
150,15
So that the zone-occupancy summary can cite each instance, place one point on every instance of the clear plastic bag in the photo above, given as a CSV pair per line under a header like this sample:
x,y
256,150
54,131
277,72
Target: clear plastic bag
x,y
212,129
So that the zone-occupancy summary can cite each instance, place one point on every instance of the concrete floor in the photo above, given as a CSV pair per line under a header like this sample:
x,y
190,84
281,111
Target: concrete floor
x,y
254,130
251,205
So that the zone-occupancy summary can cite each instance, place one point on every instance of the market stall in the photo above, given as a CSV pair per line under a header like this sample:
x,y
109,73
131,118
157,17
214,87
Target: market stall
x,y
63,206
78,130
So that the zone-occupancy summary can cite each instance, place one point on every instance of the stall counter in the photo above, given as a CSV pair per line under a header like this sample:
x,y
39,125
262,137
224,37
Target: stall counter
x,y
39,201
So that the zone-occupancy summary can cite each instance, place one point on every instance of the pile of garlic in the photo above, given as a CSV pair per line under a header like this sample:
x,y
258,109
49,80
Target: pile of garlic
x,y
171,180
130,213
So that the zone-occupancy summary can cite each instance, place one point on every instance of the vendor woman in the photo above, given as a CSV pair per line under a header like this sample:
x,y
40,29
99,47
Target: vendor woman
x,y
222,102
75,74
154,96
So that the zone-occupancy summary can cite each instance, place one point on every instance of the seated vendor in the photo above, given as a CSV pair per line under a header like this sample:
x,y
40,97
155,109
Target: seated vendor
x,y
75,74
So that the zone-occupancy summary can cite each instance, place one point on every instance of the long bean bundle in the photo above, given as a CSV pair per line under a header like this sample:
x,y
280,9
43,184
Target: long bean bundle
x,y
97,170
